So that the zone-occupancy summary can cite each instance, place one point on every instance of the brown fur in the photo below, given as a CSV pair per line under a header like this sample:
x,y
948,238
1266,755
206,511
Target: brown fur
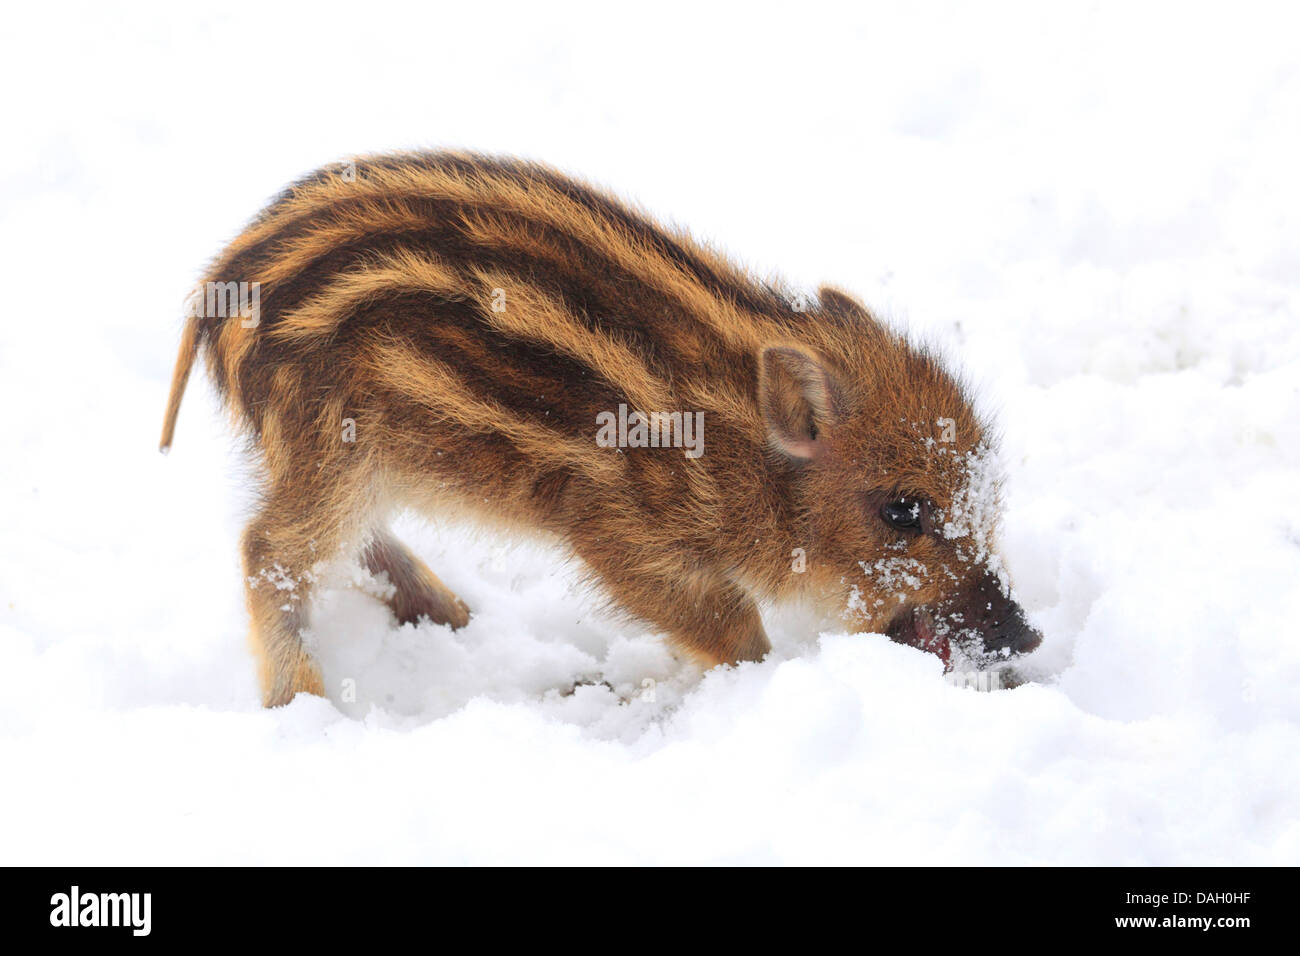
x,y
379,302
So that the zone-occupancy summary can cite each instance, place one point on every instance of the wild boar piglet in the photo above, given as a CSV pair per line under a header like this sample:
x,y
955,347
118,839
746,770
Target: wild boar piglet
x,y
491,340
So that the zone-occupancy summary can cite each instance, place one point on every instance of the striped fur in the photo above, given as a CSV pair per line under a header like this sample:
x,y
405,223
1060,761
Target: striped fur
x,y
472,316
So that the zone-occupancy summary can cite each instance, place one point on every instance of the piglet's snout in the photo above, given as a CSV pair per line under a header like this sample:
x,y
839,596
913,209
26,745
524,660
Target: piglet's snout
x,y
1001,621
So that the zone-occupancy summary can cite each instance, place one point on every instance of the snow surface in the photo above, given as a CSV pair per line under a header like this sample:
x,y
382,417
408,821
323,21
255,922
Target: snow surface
x,y
1096,210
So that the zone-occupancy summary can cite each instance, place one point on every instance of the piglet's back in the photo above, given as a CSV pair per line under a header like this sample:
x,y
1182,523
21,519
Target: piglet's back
x,y
451,304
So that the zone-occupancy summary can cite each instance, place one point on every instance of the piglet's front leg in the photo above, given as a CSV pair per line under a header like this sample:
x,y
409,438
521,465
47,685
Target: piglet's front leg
x,y
710,618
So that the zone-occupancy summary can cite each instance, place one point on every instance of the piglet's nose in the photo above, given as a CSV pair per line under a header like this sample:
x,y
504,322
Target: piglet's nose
x,y
1012,632
1003,622
1027,640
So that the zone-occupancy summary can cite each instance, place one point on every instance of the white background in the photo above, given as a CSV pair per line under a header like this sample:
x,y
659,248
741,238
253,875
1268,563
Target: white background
x,y
1092,208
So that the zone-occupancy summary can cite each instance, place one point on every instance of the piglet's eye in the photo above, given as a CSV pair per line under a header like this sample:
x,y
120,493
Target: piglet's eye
x,y
905,514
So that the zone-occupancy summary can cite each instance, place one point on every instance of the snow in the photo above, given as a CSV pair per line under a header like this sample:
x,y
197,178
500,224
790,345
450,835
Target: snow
x,y
1095,210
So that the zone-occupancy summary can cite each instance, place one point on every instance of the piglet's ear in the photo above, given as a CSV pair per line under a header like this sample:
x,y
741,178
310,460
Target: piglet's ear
x,y
799,399
841,303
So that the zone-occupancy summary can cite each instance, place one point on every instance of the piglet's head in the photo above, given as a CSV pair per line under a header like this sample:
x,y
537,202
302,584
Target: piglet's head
x,y
895,485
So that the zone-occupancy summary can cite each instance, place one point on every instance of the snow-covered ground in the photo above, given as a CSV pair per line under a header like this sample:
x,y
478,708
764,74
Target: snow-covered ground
x,y
1095,210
